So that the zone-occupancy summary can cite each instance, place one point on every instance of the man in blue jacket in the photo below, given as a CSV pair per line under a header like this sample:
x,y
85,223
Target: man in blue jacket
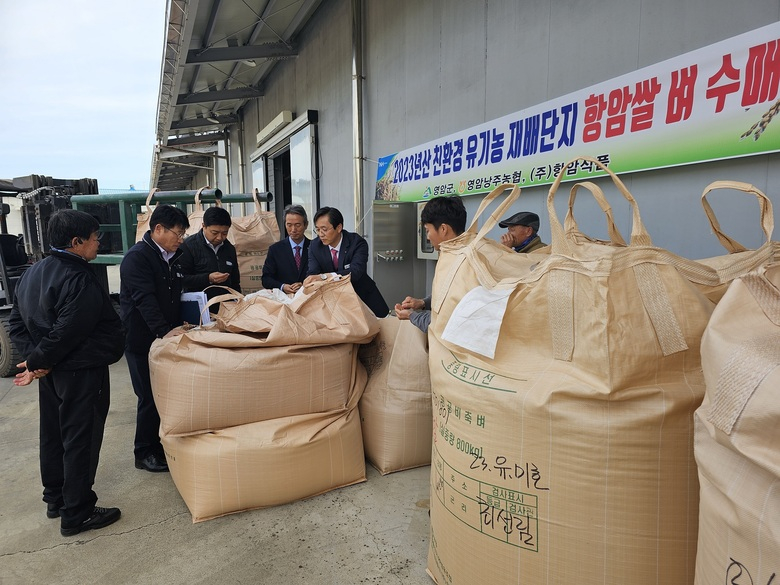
x,y
65,325
150,303
338,251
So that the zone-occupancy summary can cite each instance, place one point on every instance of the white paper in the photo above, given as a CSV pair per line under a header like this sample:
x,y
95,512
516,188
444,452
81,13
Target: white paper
x,y
201,299
476,321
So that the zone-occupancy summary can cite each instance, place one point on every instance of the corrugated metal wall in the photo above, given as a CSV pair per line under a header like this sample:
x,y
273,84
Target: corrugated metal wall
x,y
440,66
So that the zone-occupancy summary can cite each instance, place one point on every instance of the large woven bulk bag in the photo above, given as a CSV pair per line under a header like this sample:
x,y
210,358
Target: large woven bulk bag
x,y
395,409
564,387
256,232
738,434
323,312
270,462
206,380
266,463
252,235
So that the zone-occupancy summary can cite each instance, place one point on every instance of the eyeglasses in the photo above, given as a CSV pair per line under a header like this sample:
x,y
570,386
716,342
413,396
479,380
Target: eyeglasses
x,y
178,235
323,230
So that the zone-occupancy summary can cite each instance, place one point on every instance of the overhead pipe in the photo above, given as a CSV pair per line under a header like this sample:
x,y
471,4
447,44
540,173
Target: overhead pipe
x,y
206,196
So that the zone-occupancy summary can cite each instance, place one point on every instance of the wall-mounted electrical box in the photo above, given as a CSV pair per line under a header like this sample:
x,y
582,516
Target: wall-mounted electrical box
x,y
425,250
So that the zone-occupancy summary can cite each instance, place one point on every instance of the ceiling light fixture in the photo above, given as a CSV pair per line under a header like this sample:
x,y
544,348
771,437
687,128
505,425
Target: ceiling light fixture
x,y
212,118
250,62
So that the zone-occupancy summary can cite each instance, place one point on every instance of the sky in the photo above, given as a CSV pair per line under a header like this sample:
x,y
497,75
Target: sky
x,y
80,82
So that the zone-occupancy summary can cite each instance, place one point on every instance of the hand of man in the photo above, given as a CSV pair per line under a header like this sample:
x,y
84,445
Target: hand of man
x,y
402,313
508,240
218,277
26,377
312,278
291,288
412,303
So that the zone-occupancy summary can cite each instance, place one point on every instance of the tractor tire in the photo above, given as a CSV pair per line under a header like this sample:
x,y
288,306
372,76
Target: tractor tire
x,y
9,356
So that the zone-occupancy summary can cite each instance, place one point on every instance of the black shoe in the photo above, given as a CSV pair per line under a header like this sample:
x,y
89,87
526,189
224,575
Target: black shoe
x,y
152,463
99,518
52,510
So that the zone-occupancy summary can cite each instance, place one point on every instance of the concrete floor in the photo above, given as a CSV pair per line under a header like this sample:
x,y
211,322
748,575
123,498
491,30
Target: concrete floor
x,y
375,532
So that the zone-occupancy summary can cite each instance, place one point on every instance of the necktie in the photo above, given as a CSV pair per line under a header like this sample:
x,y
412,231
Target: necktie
x,y
335,255
298,256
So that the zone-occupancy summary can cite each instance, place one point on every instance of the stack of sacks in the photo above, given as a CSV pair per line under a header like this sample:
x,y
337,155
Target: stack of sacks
x,y
395,409
261,408
564,387
737,436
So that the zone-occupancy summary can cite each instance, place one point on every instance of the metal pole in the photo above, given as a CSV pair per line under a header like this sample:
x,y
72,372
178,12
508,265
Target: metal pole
x,y
357,110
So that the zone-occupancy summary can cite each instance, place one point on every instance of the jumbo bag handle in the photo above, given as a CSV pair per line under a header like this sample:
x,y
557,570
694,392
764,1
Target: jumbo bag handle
x,y
148,203
467,251
765,206
232,295
559,242
653,295
570,224
494,217
198,205
256,197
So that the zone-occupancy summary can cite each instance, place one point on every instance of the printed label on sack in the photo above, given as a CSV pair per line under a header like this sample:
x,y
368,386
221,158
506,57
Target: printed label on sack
x,y
510,516
481,479
476,376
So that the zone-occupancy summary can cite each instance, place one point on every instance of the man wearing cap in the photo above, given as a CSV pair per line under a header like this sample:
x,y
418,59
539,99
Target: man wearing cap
x,y
521,234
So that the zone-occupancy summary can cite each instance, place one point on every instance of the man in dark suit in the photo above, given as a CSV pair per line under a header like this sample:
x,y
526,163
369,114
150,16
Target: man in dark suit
x,y
150,302
287,262
341,252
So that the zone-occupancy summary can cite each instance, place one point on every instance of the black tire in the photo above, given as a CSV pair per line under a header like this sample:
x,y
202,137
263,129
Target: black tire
x,y
9,356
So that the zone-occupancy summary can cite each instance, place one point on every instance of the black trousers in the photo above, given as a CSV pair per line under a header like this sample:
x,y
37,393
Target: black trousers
x,y
147,422
73,408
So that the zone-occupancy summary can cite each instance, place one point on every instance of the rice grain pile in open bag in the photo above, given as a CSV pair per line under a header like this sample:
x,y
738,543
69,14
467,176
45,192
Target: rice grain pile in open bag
x,y
738,434
564,386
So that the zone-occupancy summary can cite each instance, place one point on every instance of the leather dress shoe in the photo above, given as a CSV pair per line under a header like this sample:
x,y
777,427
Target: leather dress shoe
x,y
152,462
99,518
52,510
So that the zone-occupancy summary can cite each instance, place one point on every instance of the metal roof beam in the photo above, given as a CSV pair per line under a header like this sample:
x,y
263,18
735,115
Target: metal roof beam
x,y
200,122
240,53
196,139
239,93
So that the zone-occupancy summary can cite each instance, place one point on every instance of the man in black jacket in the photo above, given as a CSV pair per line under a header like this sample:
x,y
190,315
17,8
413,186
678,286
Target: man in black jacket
x,y
209,258
64,324
150,302
341,252
287,262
